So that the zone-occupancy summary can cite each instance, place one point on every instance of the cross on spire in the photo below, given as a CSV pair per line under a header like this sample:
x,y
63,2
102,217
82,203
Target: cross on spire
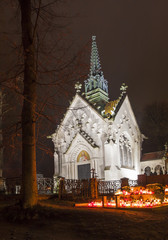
x,y
78,87
123,88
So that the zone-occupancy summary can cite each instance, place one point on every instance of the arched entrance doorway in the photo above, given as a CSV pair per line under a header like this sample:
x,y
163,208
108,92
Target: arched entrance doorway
x,y
83,167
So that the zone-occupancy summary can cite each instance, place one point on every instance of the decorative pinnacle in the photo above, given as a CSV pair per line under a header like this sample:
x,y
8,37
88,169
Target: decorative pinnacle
x,y
78,87
123,88
95,66
94,38
166,151
166,146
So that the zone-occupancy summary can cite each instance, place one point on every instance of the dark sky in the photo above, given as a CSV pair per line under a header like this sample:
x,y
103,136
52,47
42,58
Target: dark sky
x,y
132,38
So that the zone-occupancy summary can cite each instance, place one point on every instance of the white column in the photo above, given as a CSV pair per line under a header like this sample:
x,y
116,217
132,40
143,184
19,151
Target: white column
x,y
69,171
56,165
96,169
72,170
75,170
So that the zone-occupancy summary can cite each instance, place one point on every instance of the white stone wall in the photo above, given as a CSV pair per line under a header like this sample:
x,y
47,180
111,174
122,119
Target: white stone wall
x,y
152,164
105,155
124,124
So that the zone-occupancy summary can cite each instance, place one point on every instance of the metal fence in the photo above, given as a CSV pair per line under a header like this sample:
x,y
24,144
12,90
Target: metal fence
x,y
69,187
45,185
13,185
84,188
75,188
133,183
108,187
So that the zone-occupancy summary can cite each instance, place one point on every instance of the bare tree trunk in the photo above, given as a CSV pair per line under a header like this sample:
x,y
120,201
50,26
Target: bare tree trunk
x,y
29,180
1,138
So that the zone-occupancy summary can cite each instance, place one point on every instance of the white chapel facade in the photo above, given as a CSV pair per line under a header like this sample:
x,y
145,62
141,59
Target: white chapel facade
x,y
97,133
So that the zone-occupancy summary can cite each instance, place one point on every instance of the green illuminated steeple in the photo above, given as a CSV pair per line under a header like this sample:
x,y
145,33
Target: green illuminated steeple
x,y
96,87
95,66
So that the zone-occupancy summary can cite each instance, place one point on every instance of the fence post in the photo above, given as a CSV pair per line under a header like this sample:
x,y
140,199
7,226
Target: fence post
x,y
61,188
56,183
94,192
117,199
2,185
104,201
124,182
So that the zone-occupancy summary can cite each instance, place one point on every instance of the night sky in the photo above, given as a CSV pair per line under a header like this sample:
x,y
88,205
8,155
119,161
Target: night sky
x,y
132,39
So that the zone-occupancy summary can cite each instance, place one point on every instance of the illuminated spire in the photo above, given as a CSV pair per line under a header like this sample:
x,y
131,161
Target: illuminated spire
x,y
96,87
95,66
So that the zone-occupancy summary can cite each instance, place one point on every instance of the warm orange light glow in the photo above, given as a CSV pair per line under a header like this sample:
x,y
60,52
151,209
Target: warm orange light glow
x,y
130,200
134,192
95,204
125,204
165,201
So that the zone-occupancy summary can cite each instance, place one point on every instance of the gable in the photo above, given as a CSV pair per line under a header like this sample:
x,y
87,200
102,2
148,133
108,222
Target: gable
x,y
125,113
80,140
80,117
84,138
79,110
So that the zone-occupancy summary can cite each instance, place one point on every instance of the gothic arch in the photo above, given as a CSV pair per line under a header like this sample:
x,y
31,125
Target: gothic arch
x,y
77,150
83,156
158,169
125,148
81,166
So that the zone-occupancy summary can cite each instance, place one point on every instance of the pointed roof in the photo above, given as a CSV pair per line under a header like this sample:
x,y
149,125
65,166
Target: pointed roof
x,y
113,107
152,156
95,66
77,103
85,136
96,87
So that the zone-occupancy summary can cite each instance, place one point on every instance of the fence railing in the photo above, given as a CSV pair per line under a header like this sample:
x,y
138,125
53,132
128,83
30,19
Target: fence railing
x,y
75,188
45,185
13,185
133,183
87,188
71,187
108,187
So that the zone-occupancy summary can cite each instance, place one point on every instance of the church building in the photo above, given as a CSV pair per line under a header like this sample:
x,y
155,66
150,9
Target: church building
x,y
97,134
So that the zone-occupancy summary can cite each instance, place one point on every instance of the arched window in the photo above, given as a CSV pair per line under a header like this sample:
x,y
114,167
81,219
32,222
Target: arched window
x,y
158,170
148,171
125,152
